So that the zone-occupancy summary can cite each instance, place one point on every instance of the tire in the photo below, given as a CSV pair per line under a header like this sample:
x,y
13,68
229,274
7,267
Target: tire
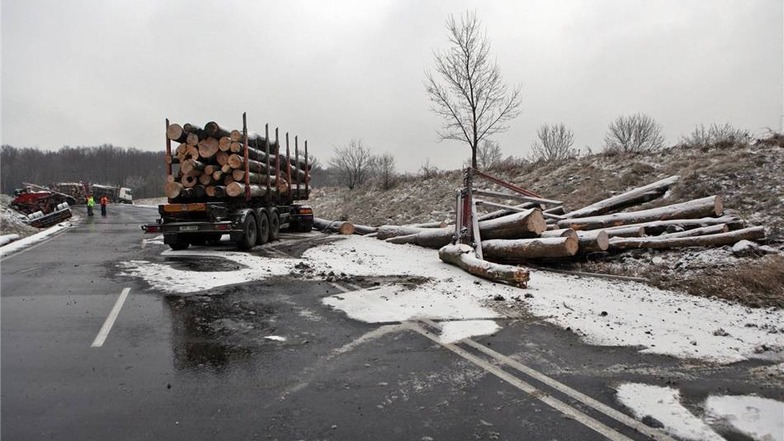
x,y
274,226
249,233
264,229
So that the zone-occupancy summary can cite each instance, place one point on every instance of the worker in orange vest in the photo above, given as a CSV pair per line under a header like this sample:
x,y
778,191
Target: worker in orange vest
x,y
104,203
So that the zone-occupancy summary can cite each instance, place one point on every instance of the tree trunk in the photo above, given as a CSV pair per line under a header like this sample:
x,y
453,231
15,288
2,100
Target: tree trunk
x,y
428,238
224,144
662,242
630,198
517,250
709,206
189,180
237,162
387,231
364,230
464,257
212,129
345,228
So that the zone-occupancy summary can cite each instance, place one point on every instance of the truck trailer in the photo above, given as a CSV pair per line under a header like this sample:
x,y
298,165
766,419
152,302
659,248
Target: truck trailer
x,y
233,182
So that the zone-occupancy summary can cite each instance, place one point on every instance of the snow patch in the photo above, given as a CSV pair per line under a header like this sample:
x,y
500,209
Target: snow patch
x,y
455,331
759,418
28,241
663,404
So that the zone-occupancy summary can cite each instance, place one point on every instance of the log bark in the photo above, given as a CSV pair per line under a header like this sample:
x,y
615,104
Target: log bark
x,y
463,256
709,206
517,250
713,229
238,162
345,228
498,213
254,178
658,227
364,230
663,242
628,199
529,223
387,231
236,189
518,225
629,231
588,241
212,129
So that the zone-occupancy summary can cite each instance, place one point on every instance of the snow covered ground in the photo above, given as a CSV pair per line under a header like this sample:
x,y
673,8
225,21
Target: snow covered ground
x,y
29,241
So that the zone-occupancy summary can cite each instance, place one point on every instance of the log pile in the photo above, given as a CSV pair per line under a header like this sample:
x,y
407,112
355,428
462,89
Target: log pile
x,y
212,162
540,229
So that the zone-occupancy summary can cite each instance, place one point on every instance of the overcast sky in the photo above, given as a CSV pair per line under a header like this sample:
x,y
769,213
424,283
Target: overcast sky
x,y
79,72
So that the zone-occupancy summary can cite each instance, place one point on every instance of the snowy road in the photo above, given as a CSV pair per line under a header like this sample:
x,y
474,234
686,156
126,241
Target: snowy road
x,y
317,339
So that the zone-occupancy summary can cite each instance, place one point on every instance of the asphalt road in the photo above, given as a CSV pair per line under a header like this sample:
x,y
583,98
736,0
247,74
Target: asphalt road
x,y
201,367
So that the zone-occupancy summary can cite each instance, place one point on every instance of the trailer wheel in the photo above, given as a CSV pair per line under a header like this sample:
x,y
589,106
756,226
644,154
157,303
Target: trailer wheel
x,y
264,229
249,233
274,225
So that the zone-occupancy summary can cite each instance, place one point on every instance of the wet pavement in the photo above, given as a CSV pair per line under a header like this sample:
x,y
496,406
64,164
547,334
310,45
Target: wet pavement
x,y
267,360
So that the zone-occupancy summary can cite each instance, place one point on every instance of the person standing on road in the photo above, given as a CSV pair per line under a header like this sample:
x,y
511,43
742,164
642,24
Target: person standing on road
x,y
104,203
90,204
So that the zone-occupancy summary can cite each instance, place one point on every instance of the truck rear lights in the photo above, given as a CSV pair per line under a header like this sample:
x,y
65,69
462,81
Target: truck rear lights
x,y
182,208
151,228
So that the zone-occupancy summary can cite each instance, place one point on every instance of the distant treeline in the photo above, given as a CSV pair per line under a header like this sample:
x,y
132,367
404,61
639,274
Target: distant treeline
x,y
141,171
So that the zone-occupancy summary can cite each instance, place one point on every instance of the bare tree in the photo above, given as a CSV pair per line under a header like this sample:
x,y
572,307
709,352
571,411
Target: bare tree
x,y
488,154
634,134
471,98
385,170
429,170
553,144
353,163
716,134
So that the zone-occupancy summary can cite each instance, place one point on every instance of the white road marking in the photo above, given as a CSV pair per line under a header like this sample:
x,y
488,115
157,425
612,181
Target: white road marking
x,y
579,396
107,325
527,388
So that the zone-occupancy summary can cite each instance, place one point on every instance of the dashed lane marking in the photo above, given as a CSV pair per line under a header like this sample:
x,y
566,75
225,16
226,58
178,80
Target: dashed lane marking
x,y
107,325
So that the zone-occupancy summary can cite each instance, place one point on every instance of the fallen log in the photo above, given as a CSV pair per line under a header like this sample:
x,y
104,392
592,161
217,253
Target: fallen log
x,y
662,242
588,241
713,229
655,228
628,199
517,250
627,231
498,213
342,227
529,223
709,206
364,230
464,257
519,225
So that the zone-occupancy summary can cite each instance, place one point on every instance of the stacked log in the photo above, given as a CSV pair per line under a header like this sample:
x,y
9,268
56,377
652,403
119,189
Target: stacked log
x,y
210,162
607,226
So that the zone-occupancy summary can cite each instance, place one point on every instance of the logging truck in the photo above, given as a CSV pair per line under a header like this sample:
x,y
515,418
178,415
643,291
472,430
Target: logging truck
x,y
233,182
